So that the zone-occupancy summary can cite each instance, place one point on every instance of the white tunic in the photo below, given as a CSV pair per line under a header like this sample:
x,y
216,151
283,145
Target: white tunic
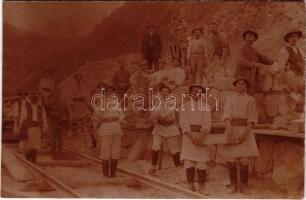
x,y
194,117
242,106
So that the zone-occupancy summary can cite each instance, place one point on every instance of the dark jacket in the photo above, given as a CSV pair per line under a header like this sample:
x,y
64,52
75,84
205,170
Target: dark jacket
x,y
151,47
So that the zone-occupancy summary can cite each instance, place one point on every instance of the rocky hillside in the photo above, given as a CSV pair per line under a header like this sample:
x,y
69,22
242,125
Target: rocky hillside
x,y
121,33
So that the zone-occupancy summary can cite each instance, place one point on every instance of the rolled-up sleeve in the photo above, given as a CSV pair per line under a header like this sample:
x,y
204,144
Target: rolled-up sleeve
x,y
184,122
252,111
207,121
227,109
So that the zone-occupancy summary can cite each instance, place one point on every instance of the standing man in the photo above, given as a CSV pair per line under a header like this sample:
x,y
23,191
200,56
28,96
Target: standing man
x,y
106,123
240,115
121,80
151,48
195,123
197,55
19,107
46,85
164,130
291,61
33,125
249,61
59,119
176,39
220,45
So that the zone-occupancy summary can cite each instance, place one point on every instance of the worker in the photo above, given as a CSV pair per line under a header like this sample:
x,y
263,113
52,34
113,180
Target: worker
x,y
176,38
240,115
59,121
195,124
197,55
164,130
151,48
221,48
250,61
121,79
34,124
106,122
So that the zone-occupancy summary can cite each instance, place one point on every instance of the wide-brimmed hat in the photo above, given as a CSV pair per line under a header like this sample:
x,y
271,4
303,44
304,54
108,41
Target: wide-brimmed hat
x,y
78,75
197,28
250,32
293,31
241,79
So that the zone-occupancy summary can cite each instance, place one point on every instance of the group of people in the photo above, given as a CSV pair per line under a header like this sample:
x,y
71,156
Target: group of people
x,y
46,112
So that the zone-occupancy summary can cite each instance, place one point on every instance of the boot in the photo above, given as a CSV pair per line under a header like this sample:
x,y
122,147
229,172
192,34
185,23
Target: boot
x,y
113,167
233,170
28,155
155,154
201,180
244,178
190,172
176,159
105,168
34,155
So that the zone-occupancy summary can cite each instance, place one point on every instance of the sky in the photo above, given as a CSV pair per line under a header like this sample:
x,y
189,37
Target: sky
x,y
55,18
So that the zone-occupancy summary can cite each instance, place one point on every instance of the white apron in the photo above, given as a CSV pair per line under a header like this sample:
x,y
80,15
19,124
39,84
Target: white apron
x,y
193,152
245,149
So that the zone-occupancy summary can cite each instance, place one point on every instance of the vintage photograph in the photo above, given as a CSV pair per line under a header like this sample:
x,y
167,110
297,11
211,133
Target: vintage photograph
x,y
153,99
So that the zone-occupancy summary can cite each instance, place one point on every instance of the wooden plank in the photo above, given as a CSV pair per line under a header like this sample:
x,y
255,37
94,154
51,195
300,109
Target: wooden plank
x,y
281,133
14,167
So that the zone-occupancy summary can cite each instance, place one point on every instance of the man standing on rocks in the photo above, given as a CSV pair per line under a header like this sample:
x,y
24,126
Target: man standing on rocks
x,y
197,55
240,115
195,123
121,80
221,48
250,61
151,48
176,39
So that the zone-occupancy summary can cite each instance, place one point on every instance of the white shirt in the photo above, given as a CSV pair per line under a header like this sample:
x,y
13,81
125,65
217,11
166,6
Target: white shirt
x,y
197,46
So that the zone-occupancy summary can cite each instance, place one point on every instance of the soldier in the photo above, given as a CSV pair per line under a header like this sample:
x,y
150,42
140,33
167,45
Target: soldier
x,y
59,119
195,124
240,114
151,48
197,55
164,130
33,125
106,124
249,61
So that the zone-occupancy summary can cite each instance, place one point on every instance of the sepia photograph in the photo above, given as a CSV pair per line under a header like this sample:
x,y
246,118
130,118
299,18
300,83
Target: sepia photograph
x,y
153,99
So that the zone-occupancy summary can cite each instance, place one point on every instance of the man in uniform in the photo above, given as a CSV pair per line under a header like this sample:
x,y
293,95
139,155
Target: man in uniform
x,y
176,38
106,123
33,125
197,55
151,48
59,119
195,123
249,61
240,114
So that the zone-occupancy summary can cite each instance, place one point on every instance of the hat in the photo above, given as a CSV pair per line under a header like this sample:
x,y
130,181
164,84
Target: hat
x,y
250,32
195,29
78,75
293,31
241,79
197,86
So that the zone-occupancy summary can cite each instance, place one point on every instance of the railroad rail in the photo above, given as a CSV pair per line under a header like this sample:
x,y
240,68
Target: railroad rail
x,y
54,182
147,180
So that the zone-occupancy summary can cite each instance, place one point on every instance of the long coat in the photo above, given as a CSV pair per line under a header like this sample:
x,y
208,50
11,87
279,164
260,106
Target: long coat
x,y
151,47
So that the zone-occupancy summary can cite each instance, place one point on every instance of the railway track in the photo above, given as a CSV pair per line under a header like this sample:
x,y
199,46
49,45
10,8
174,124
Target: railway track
x,y
64,190
147,180
63,179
